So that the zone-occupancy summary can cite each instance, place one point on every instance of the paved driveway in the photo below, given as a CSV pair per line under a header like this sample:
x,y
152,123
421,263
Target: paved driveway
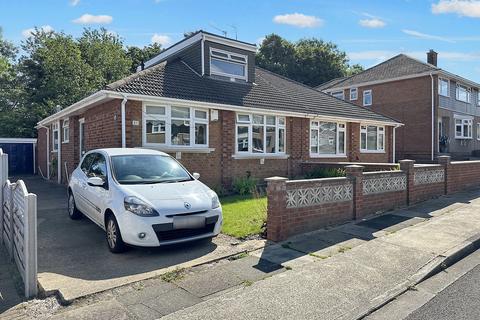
x,y
74,260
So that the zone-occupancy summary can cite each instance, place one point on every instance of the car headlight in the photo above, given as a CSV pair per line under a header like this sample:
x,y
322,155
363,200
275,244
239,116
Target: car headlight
x,y
139,207
215,200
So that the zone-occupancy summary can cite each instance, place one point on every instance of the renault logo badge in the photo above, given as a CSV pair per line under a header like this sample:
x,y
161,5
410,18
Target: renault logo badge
x,y
187,205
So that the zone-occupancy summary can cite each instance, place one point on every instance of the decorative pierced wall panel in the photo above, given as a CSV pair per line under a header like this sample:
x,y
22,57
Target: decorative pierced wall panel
x,y
429,176
313,196
385,184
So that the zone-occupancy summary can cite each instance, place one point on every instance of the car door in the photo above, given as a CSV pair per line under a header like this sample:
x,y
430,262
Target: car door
x,y
96,197
79,185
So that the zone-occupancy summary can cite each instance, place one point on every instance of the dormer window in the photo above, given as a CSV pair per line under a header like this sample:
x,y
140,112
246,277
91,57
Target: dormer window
x,y
228,64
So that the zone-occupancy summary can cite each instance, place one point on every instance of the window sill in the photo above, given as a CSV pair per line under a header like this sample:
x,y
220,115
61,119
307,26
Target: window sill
x,y
179,149
240,156
463,101
64,142
372,151
463,138
367,105
313,155
442,95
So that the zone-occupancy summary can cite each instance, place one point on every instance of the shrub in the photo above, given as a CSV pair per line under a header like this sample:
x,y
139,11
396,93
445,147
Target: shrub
x,y
325,173
245,185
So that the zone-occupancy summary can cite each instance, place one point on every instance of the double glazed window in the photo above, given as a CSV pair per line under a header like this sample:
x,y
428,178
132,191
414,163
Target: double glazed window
x,y
463,93
257,133
463,128
353,94
175,126
327,138
66,131
372,138
228,64
444,87
55,136
367,98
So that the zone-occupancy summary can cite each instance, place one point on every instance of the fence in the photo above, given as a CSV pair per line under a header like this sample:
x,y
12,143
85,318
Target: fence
x,y
18,226
297,206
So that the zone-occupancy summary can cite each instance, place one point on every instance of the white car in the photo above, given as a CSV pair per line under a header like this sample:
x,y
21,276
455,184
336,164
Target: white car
x,y
142,198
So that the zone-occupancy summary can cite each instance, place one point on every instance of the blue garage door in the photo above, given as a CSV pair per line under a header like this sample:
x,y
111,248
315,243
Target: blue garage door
x,y
20,157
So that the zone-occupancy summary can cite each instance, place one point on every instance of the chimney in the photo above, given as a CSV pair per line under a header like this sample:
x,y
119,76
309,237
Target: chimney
x,y
432,57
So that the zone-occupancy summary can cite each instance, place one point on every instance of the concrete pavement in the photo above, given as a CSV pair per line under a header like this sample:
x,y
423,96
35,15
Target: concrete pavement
x,y
352,284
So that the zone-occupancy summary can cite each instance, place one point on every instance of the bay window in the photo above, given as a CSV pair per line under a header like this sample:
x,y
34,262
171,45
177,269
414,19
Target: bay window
x,y
175,126
463,93
66,131
327,138
463,128
372,138
257,134
55,136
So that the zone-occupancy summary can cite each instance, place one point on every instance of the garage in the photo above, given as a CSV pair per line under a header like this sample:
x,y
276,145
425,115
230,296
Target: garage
x,y
21,155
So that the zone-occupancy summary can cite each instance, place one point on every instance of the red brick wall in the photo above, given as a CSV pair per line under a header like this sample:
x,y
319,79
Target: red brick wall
x,y
463,175
408,101
217,168
379,202
422,192
41,152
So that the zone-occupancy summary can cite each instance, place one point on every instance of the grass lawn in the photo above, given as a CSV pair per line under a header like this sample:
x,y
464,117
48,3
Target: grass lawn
x,y
243,215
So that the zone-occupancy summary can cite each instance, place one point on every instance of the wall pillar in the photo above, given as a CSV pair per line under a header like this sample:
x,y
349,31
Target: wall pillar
x,y
408,166
277,203
355,174
445,162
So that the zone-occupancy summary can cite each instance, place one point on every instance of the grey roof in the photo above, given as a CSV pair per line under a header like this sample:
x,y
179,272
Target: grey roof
x,y
330,83
175,79
398,66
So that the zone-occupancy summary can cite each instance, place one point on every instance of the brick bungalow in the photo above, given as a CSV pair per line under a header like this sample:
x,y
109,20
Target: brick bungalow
x,y
440,110
205,102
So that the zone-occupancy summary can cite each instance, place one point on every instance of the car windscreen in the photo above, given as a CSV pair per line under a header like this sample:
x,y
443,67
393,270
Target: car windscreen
x,y
147,169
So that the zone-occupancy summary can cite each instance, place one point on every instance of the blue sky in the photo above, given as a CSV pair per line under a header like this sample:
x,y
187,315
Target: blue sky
x,y
369,31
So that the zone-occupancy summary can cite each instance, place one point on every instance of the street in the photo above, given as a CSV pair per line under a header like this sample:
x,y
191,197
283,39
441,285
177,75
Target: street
x,y
460,300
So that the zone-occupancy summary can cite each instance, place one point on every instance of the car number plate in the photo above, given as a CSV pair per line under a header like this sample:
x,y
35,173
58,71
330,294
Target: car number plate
x,y
188,222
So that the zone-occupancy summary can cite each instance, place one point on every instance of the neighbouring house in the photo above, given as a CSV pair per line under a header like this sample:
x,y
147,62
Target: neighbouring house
x,y
205,102
440,110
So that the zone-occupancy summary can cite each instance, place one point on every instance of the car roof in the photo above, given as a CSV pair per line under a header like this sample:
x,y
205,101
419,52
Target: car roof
x,y
129,151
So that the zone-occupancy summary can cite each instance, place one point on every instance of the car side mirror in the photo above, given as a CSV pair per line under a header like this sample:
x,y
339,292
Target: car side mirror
x,y
196,175
96,182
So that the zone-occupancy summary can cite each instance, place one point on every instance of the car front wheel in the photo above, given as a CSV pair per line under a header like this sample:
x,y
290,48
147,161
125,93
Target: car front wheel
x,y
114,237
73,212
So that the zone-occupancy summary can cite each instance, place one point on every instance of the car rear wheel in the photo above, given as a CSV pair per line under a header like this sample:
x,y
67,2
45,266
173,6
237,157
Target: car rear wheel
x,y
73,212
114,237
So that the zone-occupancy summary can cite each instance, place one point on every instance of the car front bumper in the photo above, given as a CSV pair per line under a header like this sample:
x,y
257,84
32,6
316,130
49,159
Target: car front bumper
x,y
159,231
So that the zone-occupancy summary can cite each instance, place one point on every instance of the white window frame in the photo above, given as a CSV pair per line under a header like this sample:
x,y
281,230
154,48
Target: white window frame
x,y
338,94
66,131
380,131
230,60
468,91
440,80
55,129
315,125
464,121
352,96
371,97
168,126
250,124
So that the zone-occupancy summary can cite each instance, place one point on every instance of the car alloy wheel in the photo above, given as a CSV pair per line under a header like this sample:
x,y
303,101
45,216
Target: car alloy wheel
x,y
111,233
71,205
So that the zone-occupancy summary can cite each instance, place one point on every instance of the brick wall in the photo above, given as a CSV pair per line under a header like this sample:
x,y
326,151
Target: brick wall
x,y
297,206
41,152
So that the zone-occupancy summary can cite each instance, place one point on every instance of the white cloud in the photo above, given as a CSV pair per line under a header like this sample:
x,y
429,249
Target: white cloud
x,y
377,56
92,19
299,20
372,23
161,39
426,36
467,8
73,3
28,32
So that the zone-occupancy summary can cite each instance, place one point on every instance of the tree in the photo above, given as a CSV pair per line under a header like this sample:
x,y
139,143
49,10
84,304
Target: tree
x,y
354,69
138,55
310,61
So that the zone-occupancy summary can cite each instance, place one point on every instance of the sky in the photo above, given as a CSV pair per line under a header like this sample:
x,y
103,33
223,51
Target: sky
x,y
369,31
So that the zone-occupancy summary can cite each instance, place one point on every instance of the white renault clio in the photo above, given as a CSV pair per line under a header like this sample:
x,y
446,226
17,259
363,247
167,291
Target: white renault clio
x,y
142,198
